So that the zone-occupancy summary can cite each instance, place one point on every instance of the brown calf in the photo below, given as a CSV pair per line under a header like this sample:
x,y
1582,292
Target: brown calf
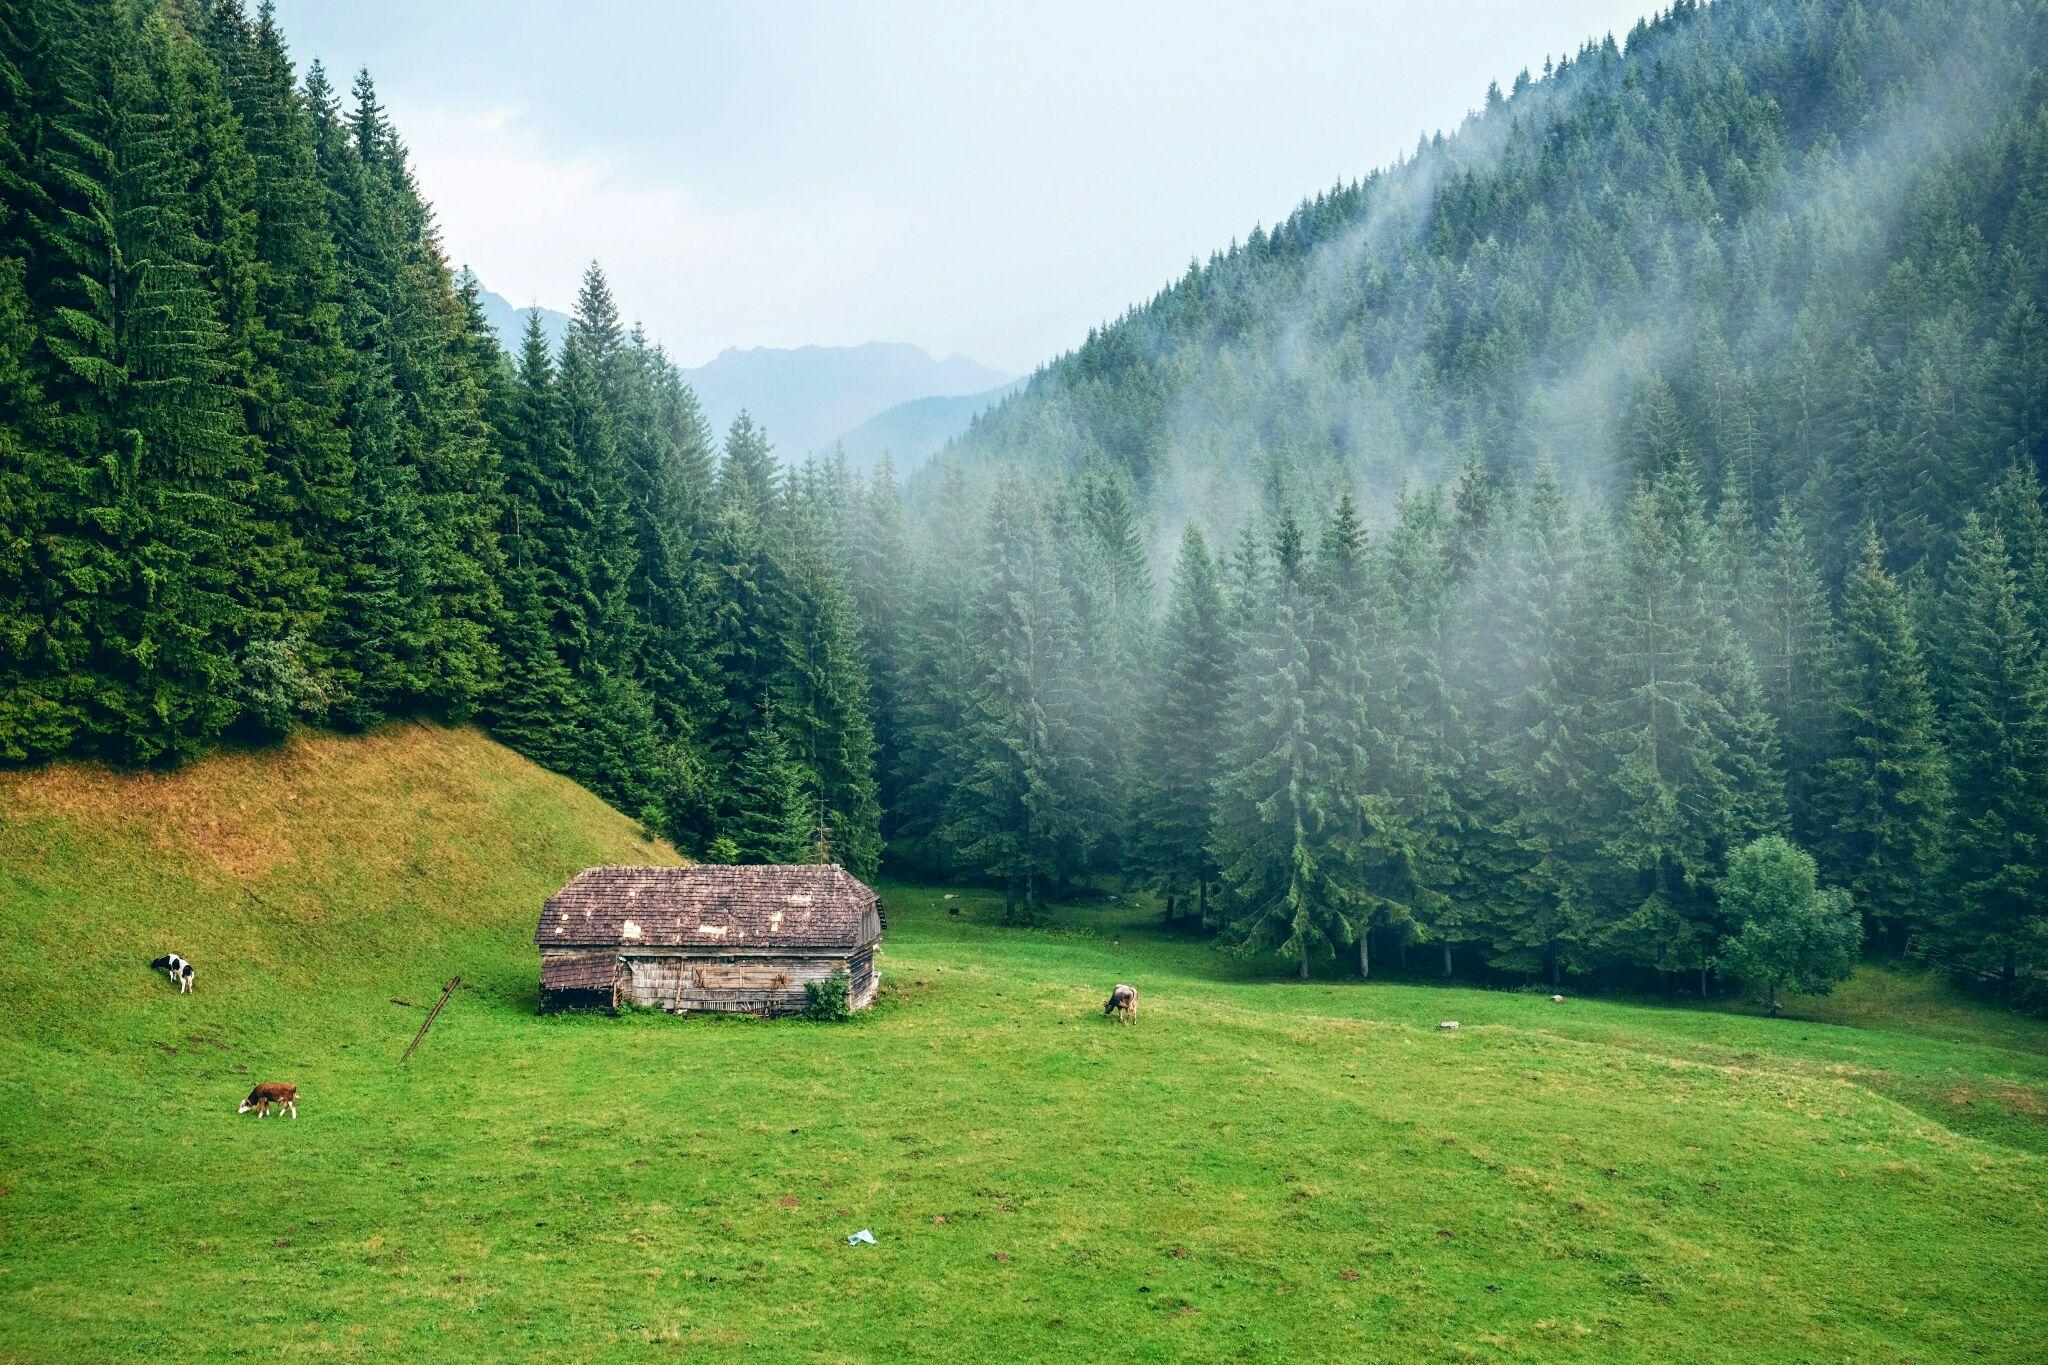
x,y
285,1097
1122,1001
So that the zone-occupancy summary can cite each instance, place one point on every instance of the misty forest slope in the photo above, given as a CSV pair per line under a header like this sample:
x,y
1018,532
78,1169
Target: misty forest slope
x,y
1253,1171
912,432
1501,551
804,396
1802,243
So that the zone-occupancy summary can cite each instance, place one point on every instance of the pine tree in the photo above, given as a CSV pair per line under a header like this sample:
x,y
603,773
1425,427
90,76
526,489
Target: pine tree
x,y
772,819
603,555
1995,689
1524,786
37,716
1103,566
1662,767
379,630
1173,807
538,706
1791,635
879,576
823,701
1883,800
1286,886
1414,735
1020,816
748,476
281,287
665,456
932,757
2015,505
178,516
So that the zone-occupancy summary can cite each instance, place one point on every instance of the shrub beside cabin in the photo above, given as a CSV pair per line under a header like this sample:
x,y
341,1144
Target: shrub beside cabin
x,y
737,939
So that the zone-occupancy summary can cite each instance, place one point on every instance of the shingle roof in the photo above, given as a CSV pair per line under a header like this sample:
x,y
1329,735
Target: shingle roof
x,y
709,906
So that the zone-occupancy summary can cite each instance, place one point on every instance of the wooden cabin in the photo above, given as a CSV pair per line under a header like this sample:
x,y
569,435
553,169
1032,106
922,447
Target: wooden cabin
x,y
736,939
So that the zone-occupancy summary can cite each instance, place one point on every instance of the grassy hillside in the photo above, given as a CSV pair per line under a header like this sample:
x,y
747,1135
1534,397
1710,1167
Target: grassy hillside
x,y
1255,1170
300,880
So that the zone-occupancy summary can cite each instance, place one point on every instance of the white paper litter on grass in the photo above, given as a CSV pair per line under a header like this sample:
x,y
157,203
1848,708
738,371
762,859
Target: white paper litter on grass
x,y
862,1236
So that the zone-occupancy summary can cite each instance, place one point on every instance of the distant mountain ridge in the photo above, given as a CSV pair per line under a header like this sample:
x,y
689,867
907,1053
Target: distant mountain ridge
x,y
509,322
808,395
913,431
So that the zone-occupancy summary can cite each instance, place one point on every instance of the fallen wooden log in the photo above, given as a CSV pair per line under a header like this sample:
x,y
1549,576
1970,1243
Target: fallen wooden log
x,y
432,1015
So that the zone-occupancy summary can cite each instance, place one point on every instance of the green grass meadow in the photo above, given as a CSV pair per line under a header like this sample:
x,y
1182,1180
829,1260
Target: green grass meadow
x,y
1255,1170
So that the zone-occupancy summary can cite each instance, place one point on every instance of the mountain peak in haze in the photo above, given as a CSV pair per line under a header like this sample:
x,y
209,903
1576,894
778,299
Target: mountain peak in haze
x,y
509,322
805,396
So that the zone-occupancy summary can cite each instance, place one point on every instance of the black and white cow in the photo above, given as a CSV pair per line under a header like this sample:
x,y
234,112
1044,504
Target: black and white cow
x,y
178,969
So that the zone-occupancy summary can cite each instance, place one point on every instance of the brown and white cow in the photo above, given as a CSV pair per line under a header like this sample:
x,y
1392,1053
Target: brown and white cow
x,y
285,1097
1122,1001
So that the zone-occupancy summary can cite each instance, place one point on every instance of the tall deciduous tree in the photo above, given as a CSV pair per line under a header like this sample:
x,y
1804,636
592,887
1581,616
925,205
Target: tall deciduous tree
x,y
1790,934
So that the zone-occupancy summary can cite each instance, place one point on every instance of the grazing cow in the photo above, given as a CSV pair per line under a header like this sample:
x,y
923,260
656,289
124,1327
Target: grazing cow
x,y
269,1093
1124,1001
178,969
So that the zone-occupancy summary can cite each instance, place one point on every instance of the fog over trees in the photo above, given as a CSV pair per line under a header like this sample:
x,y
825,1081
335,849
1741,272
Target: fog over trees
x,y
1463,571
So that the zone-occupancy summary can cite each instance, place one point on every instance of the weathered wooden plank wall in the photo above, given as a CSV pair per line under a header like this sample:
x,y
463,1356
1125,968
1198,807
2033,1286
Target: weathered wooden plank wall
x,y
761,985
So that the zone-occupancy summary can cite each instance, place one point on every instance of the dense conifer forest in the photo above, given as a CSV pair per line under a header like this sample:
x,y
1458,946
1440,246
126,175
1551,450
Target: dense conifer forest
x,y
1470,565
1509,563
264,464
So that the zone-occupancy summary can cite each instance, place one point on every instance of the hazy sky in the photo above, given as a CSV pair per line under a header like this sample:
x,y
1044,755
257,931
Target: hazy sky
x,y
984,178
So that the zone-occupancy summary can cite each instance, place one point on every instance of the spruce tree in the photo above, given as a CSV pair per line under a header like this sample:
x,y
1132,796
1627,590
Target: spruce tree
x,y
879,576
1791,634
1276,841
1524,787
1397,626
1995,690
1666,766
823,701
932,755
772,817
1176,762
1882,804
1019,816
182,467
538,706
748,475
